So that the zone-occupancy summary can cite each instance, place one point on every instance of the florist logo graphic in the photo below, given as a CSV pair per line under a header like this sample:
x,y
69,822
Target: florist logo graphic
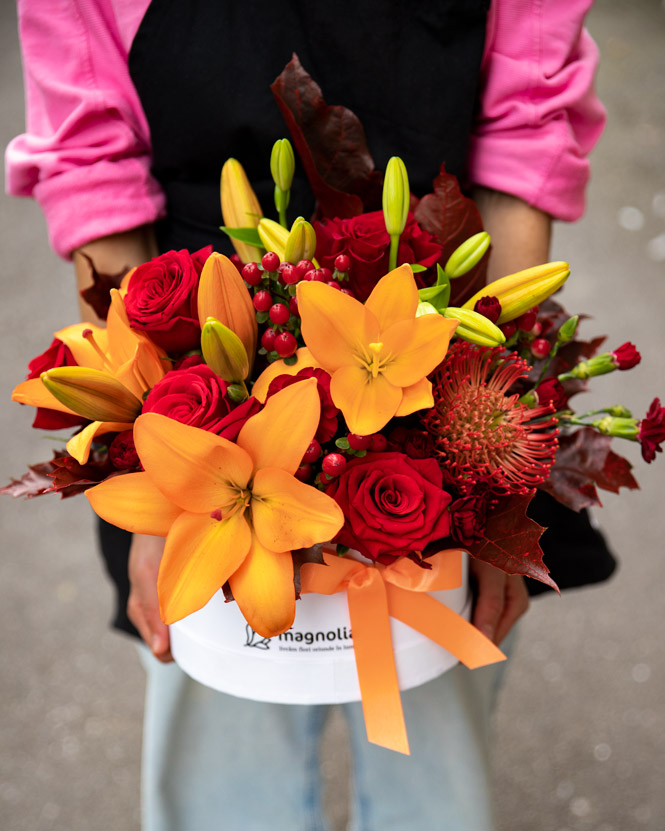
x,y
256,640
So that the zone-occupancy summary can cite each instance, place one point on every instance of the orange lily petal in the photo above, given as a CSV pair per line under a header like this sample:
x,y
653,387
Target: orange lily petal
x,y
132,502
394,297
289,514
79,445
143,370
277,368
124,285
367,403
416,397
263,589
127,345
335,327
196,469
82,350
199,557
280,434
224,296
34,392
417,346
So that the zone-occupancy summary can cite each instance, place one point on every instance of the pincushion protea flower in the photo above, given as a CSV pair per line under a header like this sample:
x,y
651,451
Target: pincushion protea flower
x,y
483,434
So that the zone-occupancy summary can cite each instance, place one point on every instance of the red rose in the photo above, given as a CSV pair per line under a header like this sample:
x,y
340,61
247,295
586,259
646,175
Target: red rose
x,y
468,517
417,444
328,422
392,505
58,354
161,299
122,451
196,396
366,242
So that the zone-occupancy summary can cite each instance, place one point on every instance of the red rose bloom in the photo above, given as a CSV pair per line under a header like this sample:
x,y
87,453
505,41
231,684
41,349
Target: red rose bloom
x,y
652,431
196,396
392,505
161,299
366,242
58,354
122,451
328,422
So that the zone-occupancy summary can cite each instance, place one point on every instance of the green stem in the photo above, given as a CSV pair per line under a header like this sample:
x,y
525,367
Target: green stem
x,y
282,216
394,245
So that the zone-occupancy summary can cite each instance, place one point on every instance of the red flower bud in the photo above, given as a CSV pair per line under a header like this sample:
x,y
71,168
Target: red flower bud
x,y
626,356
490,307
552,391
652,431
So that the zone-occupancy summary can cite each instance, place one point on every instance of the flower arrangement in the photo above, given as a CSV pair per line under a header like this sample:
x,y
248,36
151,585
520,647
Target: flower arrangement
x,y
348,381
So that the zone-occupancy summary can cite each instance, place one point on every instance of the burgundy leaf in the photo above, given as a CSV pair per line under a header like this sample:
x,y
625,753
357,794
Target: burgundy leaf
x,y
452,218
616,474
579,463
510,541
98,295
331,144
33,483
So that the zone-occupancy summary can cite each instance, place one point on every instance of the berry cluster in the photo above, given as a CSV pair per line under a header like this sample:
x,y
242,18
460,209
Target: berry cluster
x,y
332,463
273,284
526,331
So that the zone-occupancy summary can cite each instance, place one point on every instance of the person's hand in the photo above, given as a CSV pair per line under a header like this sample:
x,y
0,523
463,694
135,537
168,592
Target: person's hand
x,y
145,555
502,599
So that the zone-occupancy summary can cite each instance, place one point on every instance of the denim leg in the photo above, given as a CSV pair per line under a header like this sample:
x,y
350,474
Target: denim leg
x,y
444,785
212,762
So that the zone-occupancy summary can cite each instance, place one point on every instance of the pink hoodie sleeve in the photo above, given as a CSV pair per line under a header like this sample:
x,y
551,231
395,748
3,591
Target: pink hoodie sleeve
x,y
85,155
539,115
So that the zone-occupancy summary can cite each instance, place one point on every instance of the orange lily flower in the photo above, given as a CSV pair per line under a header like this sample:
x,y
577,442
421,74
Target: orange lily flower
x,y
119,351
229,511
379,354
304,360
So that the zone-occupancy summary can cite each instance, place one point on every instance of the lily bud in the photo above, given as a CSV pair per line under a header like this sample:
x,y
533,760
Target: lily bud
x,y
517,293
282,164
240,207
237,393
223,296
301,242
425,308
467,255
224,352
92,393
273,236
396,196
567,332
474,327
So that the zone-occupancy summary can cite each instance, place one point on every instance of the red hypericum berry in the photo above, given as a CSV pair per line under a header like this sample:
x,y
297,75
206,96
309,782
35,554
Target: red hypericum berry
x,y
537,329
357,442
290,274
293,306
527,321
268,339
349,292
285,345
509,329
309,274
342,263
316,274
304,473
333,464
334,284
270,261
262,300
313,452
252,274
379,442
326,274
304,266
237,262
279,314
540,348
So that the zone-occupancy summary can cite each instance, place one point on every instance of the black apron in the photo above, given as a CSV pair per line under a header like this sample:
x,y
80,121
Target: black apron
x,y
203,70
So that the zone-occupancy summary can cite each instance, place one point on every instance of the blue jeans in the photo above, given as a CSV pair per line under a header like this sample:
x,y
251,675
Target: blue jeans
x,y
213,762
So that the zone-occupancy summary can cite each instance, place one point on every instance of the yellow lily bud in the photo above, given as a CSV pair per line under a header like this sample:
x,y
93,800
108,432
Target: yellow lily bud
x,y
395,196
224,352
92,393
273,236
519,292
467,255
425,308
301,242
223,295
240,207
474,327
282,164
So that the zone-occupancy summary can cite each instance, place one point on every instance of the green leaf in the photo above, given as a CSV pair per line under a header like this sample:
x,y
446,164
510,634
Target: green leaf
x,y
342,550
417,268
361,453
248,235
291,360
438,296
262,317
342,443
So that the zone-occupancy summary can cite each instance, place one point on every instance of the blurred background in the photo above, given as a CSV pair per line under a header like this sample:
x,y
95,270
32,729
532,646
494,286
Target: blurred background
x,y
581,720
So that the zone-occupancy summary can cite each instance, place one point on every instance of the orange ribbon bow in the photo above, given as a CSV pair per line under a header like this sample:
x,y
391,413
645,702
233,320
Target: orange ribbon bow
x,y
376,593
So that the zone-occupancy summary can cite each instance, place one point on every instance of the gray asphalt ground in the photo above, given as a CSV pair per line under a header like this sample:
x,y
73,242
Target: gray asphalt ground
x,y
581,720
